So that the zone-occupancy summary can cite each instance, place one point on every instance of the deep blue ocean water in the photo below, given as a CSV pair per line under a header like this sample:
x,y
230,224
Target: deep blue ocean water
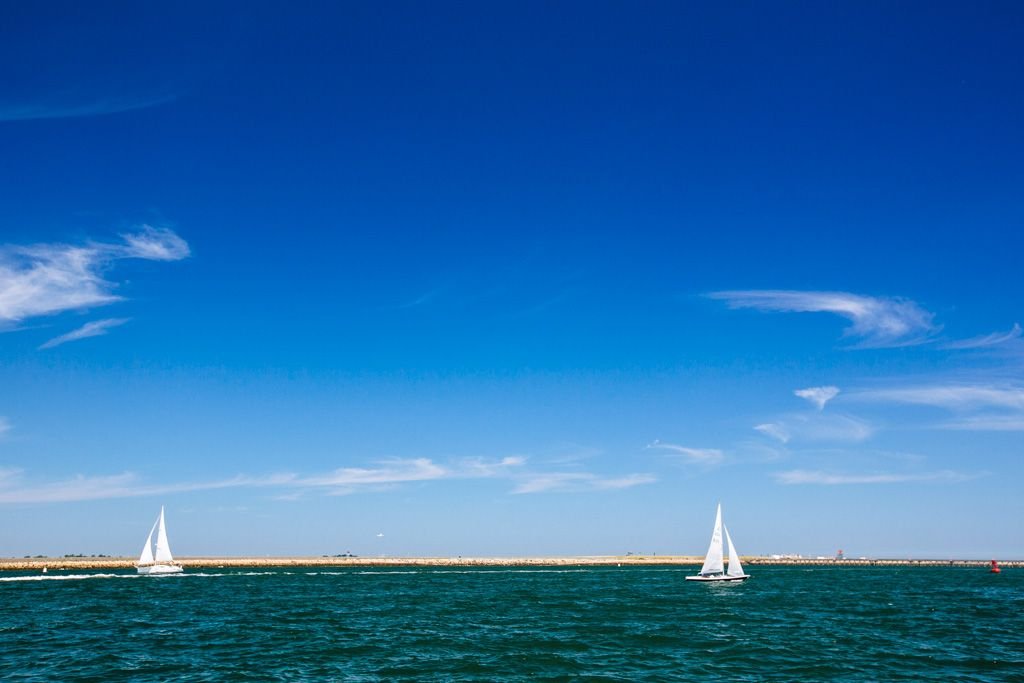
x,y
578,623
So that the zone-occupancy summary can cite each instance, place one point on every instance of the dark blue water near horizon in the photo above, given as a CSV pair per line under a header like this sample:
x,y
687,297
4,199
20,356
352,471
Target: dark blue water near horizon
x,y
483,624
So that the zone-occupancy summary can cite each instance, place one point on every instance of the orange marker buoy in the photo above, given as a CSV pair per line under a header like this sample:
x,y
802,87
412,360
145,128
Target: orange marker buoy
x,y
994,569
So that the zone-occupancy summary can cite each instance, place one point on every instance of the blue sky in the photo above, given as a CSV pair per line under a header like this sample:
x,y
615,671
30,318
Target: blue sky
x,y
512,279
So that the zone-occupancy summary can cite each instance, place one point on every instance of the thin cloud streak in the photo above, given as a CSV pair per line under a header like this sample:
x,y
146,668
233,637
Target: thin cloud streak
x,y
96,328
817,427
776,431
45,279
822,478
345,480
393,471
96,107
988,423
124,485
975,407
879,322
579,481
986,340
952,396
703,456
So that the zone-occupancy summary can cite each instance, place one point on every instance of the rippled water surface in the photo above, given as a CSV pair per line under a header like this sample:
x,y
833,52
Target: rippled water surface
x,y
604,623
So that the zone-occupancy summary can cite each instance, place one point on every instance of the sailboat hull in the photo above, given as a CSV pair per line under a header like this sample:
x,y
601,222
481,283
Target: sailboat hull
x,y
719,577
158,569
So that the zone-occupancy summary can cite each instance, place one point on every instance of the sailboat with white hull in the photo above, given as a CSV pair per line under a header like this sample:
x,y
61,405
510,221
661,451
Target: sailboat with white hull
x,y
714,569
157,560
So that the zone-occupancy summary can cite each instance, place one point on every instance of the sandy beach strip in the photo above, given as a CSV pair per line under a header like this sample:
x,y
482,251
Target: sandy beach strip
x,y
90,563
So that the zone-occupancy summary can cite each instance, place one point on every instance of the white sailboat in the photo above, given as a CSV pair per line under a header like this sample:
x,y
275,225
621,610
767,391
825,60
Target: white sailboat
x,y
157,560
714,568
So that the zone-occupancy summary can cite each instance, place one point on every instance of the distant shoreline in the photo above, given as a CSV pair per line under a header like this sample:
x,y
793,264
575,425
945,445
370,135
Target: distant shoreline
x,y
83,563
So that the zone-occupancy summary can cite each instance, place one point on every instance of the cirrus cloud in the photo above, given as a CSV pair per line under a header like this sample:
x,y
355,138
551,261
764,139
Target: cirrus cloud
x,y
96,328
822,478
975,407
819,396
15,487
45,279
986,340
579,481
878,322
66,105
701,456
817,427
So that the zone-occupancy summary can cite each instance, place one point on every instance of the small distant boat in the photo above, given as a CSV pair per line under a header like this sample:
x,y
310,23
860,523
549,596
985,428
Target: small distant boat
x,y
158,560
714,568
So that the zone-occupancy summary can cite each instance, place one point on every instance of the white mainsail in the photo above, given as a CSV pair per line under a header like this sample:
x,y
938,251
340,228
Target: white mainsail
x,y
735,568
713,560
147,550
163,549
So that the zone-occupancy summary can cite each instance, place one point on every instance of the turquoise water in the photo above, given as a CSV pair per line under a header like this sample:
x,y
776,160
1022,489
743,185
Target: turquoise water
x,y
605,623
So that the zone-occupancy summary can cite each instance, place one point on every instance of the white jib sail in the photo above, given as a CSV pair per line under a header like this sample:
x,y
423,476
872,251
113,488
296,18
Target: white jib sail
x,y
163,550
147,550
735,568
713,560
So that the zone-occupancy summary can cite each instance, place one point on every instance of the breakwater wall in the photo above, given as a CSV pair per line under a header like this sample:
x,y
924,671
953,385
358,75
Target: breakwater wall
x,y
93,563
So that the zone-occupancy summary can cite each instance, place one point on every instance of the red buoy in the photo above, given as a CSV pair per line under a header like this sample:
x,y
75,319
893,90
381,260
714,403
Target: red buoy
x,y
994,569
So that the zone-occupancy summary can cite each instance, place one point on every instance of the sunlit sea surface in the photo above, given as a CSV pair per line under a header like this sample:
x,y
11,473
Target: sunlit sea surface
x,y
606,623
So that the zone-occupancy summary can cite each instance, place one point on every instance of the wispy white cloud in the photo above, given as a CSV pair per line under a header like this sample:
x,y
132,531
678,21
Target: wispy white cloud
x,y
154,244
14,488
44,279
703,456
483,468
987,423
96,328
986,340
877,321
774,430
819,396
393,471
978,407
818,477
69,107
817,427
952,396
579,481
5,426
